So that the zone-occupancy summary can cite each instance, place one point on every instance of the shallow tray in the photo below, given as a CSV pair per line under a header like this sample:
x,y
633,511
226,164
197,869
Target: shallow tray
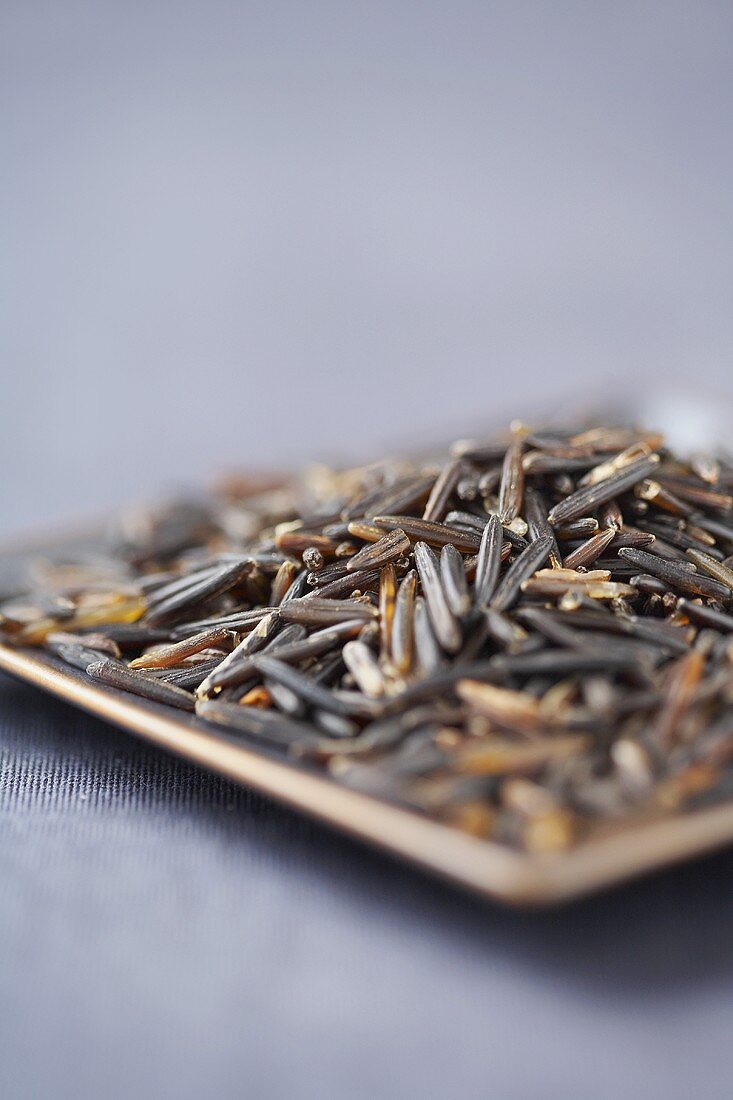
x,y
482,866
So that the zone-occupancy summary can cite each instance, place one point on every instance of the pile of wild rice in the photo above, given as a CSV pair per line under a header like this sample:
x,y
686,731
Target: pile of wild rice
x,y
528,641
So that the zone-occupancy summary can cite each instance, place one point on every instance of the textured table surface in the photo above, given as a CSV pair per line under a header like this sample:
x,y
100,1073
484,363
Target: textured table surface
x,y
164,933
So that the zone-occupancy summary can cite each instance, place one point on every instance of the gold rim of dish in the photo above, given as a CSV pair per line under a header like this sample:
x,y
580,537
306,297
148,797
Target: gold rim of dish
x,y
482,866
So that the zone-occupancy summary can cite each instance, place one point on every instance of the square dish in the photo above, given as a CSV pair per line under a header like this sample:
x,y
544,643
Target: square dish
x,y
517,674
481,866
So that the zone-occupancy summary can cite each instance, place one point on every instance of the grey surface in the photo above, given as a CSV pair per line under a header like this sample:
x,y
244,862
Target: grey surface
x,y
164,934
201,204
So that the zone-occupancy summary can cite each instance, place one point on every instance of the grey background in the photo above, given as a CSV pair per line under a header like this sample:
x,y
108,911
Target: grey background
x,y
238,233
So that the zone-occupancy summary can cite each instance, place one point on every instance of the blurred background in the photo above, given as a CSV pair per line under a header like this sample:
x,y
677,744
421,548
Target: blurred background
x,y
252,233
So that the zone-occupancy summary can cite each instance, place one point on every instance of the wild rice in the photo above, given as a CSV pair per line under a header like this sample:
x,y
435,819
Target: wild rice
x,y
489,562
414,629
445,624
453,577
